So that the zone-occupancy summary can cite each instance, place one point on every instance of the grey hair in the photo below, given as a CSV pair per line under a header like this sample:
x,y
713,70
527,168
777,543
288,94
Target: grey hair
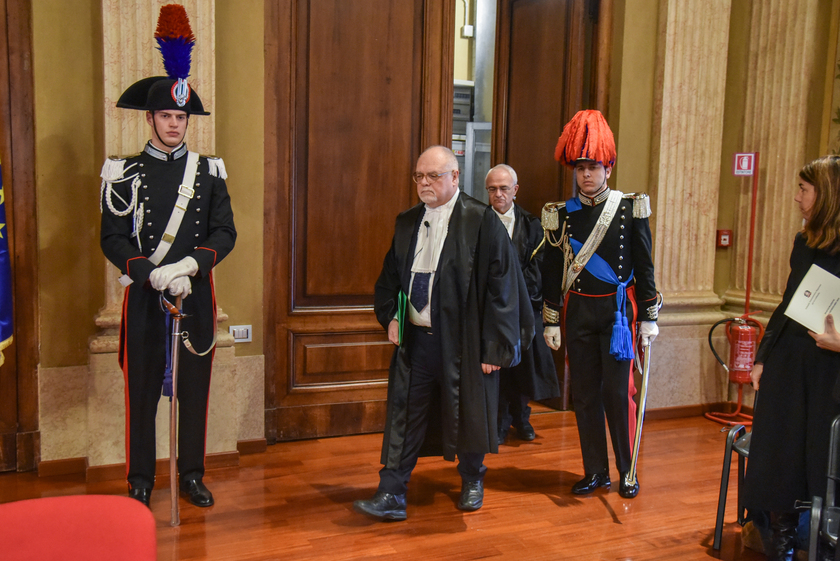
x,y
508,169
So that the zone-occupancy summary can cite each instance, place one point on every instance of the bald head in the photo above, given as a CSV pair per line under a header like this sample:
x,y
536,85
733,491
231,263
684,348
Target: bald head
x,y
442,152
439,162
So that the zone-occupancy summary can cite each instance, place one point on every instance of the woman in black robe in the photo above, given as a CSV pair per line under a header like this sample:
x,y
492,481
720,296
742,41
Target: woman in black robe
x,y
797,371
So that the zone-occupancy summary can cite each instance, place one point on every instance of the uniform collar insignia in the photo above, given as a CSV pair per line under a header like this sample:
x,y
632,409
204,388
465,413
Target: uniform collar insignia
x,y
176,154
596,200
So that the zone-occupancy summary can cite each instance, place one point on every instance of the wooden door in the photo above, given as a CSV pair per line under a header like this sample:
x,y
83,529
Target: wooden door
x,y
354,91
542,80
19,436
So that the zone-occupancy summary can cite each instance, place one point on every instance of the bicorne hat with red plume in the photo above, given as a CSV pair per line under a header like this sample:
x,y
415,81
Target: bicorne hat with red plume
x,y
175,41
586,137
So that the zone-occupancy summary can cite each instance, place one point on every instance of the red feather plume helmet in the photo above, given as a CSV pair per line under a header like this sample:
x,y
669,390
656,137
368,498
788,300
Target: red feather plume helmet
x,y
586,137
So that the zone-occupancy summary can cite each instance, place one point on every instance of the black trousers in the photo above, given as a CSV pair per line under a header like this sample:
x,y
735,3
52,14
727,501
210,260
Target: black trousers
x,y
600,383
513,405
426,375
144,363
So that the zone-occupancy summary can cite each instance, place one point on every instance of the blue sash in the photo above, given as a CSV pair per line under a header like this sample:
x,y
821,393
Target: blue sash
x,y
621,343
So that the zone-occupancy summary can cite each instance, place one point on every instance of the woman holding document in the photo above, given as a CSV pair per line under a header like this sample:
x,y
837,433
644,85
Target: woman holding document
x,y
797,370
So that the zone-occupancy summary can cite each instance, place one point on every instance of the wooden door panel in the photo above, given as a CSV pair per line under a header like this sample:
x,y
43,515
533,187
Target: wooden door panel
x,y
357,124
19,434
537,75
324,360
542,78
540,73
353,92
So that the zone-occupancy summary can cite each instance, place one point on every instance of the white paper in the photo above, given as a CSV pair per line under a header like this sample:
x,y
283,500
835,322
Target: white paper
x,y
816,296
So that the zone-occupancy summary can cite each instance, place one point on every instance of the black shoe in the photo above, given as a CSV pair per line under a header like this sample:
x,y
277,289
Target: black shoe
x,y
383,506
472,495
502,435
525,431
783,527
625,490
197,493
591,482
142,494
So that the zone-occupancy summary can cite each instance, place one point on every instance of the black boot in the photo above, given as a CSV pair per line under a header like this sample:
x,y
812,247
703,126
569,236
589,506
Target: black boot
x,y
783,526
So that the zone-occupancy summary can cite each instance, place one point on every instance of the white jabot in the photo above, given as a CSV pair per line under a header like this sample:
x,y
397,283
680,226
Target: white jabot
x,y
430,239
508,219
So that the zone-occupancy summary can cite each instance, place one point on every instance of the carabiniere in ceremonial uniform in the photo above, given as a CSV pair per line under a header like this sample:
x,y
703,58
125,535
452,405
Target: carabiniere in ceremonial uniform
x,y
598,280
166,223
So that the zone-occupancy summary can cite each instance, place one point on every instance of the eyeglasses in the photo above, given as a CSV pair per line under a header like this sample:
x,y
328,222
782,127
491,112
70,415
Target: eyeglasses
x,y
432,177
503,190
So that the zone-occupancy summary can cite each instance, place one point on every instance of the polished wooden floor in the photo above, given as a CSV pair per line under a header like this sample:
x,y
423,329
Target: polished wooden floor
x,y
294,502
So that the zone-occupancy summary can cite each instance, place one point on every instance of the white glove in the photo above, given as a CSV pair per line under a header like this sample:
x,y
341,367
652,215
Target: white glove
x,y
648,330
181,286
552,337
162,276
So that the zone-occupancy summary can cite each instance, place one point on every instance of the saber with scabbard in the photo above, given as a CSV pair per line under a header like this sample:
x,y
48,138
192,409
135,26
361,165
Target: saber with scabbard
x,y
630,477
175,347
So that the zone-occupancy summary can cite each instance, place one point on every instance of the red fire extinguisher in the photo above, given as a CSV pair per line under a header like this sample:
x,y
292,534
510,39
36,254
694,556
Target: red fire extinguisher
x,y
743,334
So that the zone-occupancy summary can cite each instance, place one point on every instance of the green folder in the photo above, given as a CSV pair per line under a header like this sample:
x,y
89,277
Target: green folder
x,y
402,304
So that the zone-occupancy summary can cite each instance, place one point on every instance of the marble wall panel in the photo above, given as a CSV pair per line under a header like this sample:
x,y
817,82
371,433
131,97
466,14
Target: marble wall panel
x,y
250,397
684,370
688,126
63,412
105,428
782,62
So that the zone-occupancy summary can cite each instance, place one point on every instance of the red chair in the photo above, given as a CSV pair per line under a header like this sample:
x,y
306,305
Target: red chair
x,y
89,527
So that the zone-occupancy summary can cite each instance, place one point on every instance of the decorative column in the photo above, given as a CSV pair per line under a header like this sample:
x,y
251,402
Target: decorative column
x,y
688,125
685,177
130,53
782,65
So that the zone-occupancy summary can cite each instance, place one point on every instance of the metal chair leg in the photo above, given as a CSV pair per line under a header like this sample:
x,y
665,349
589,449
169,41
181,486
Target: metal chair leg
x,y
742,510
734,433
814,538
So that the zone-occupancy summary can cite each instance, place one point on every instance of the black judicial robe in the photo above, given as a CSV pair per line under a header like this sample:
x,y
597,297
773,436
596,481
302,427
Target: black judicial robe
x,y
536,375
480,307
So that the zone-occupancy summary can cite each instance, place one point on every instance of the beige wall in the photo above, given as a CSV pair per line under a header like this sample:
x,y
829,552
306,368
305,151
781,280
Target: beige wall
x,y
239,140
463,47
831,130
67,133
736,86
631,95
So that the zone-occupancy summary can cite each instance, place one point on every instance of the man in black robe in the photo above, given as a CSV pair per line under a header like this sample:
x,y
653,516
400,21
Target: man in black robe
x,y
467,314
535,377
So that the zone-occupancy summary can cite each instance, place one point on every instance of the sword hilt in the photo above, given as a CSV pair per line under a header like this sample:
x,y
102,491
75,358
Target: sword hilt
x,y
173,309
